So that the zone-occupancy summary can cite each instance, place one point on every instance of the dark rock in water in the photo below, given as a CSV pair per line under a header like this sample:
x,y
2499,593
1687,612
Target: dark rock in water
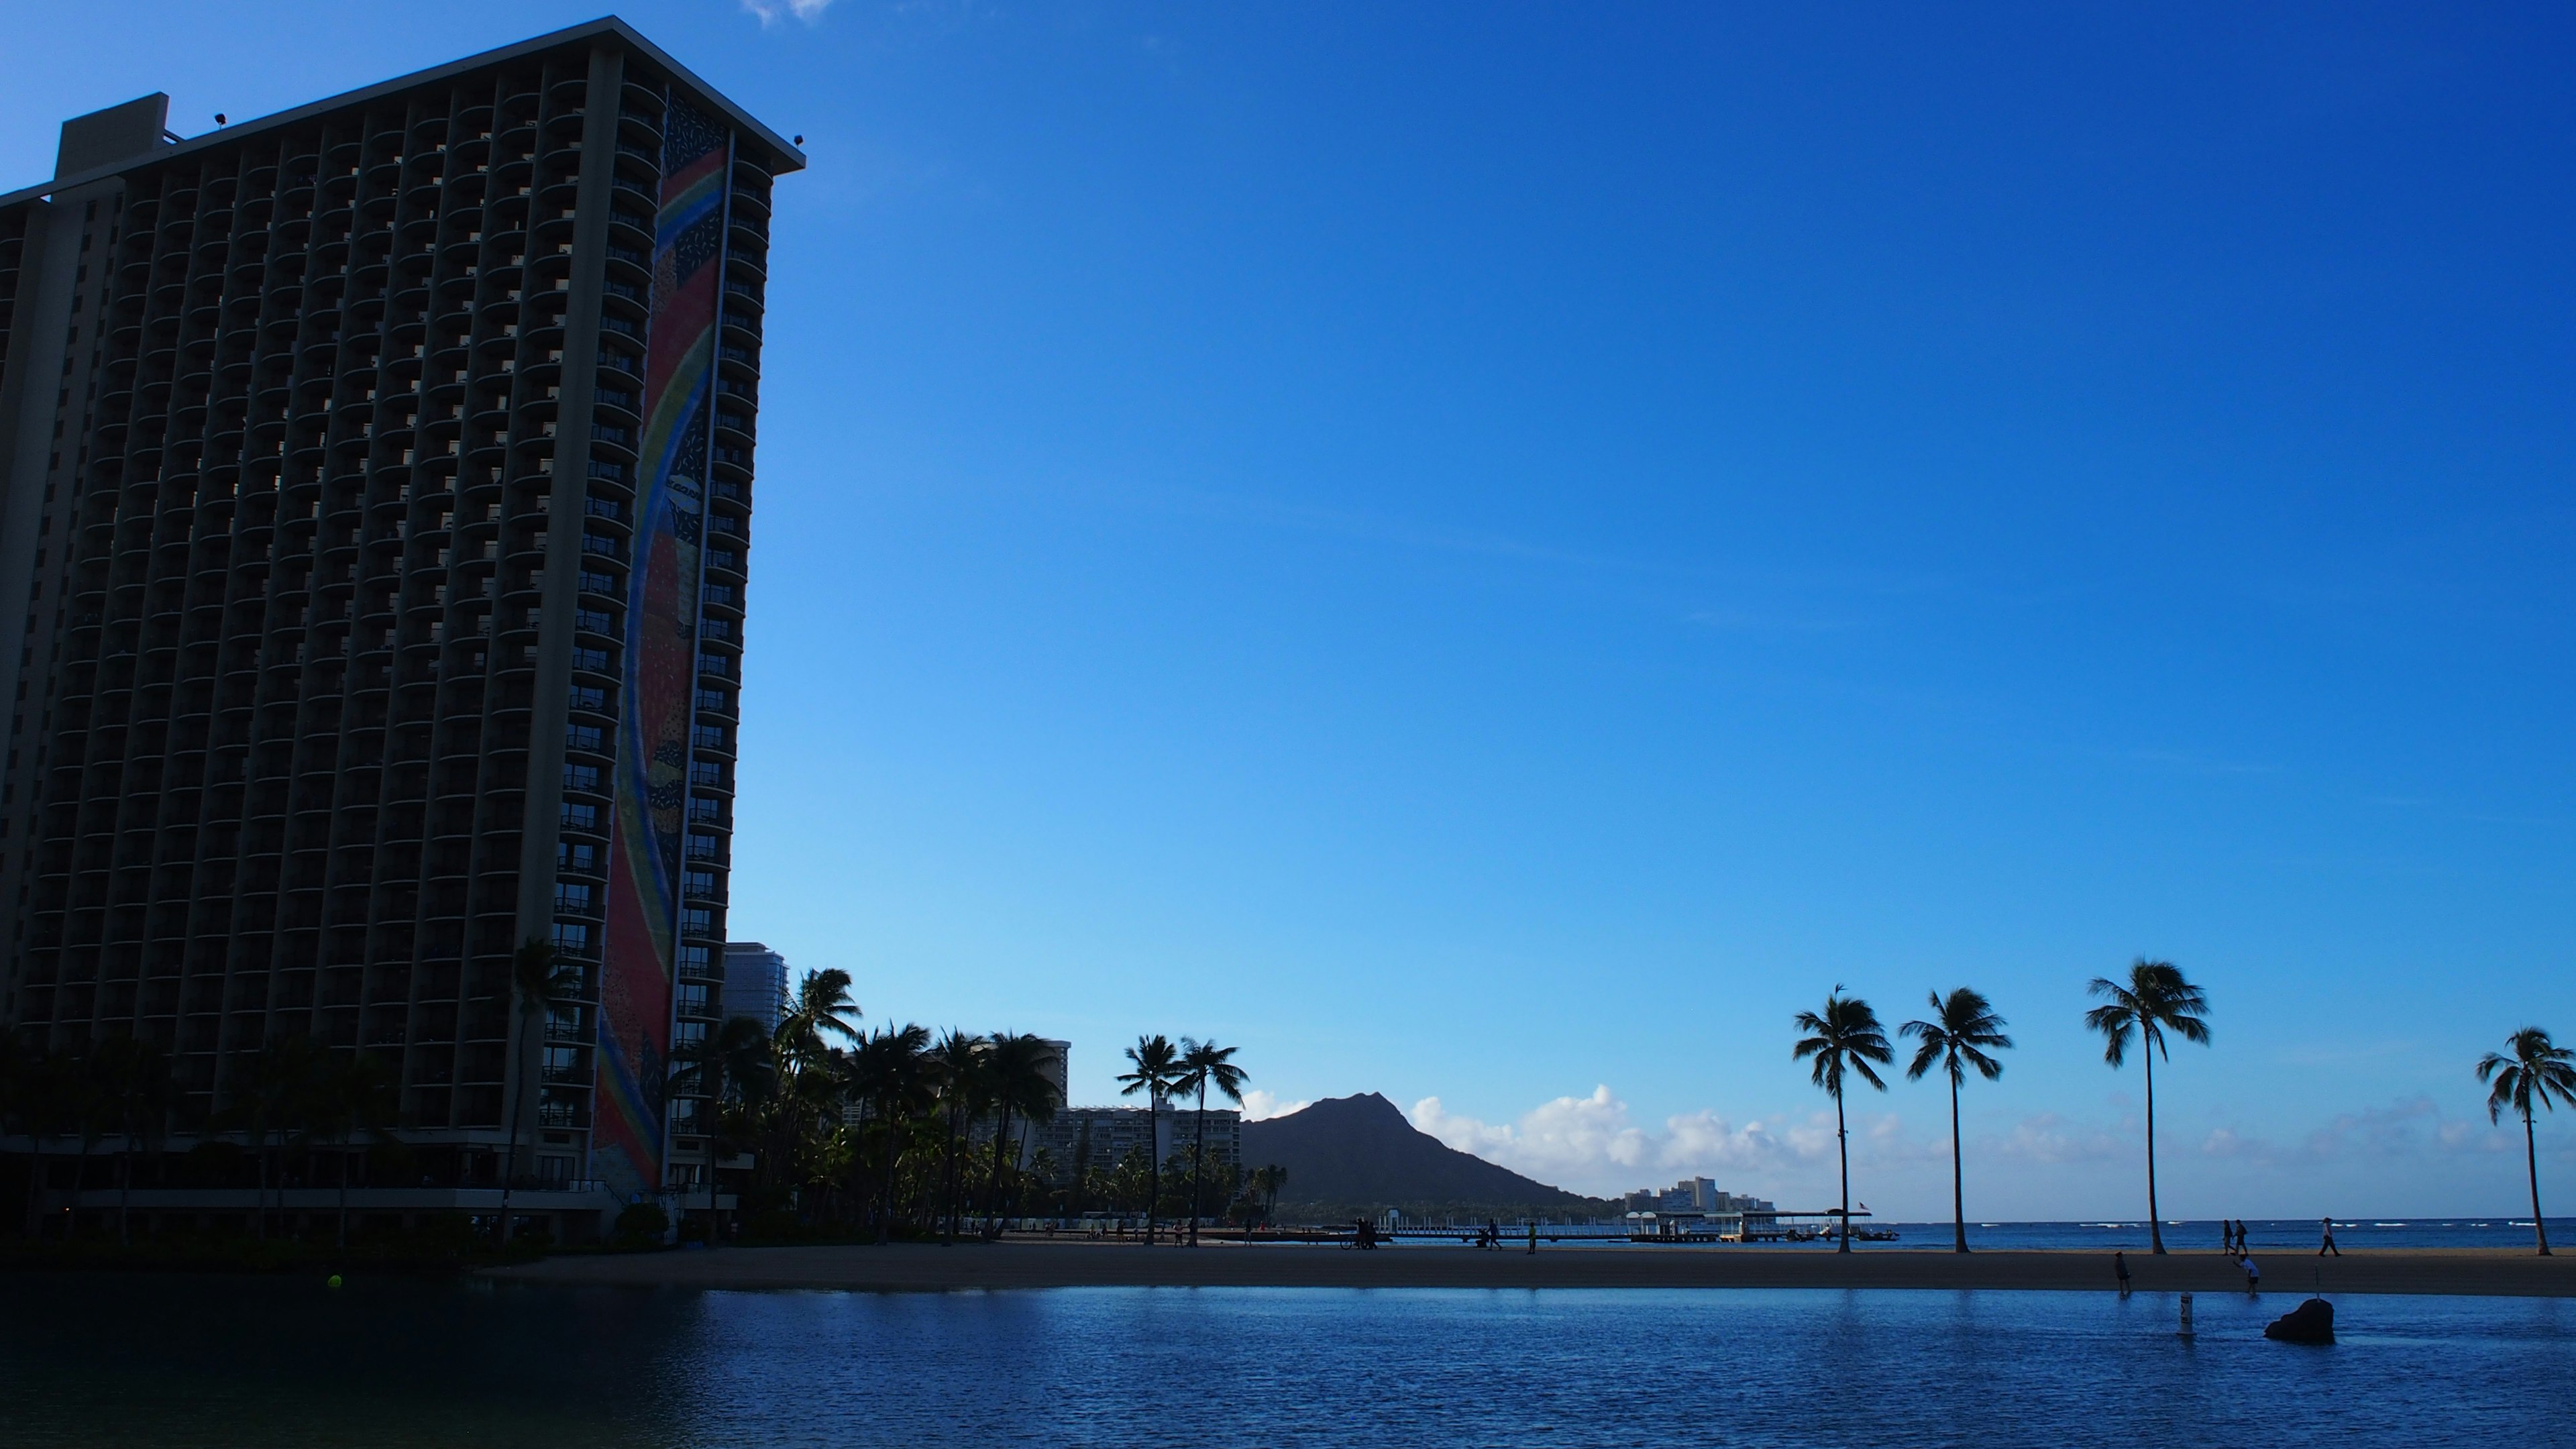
x,y
2310,1322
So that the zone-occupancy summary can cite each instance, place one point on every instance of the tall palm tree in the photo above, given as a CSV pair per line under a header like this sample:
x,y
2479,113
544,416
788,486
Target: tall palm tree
x,y
736,1066
1204,1064
889,1075
2538,1070
2155,1000
48,1099
273,1099
1847,1035
958,1068
1154,1069
822,1006
136,1089
1020,1084
355,1094
1267,1181
1963,1029
539,982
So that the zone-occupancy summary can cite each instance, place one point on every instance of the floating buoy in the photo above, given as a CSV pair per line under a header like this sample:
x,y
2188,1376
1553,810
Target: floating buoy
x,y
335,1280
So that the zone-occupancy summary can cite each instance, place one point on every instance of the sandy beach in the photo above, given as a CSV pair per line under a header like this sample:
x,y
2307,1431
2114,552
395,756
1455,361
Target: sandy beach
x,y
906,1267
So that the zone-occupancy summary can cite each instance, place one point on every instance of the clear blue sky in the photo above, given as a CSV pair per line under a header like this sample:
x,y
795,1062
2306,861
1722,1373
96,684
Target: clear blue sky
x,y
1489,552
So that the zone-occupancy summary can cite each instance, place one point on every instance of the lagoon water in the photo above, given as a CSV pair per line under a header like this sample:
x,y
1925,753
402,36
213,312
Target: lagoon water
x,y
172,1361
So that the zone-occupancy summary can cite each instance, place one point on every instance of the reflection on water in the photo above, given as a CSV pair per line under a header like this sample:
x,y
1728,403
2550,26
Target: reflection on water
x,y
239,1361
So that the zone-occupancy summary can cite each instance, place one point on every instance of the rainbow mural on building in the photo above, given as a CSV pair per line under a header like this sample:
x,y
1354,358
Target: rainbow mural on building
x,y
660,683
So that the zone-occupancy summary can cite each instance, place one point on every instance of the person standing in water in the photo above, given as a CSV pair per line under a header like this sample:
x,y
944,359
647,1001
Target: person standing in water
x,y
2120,1266
2253,1275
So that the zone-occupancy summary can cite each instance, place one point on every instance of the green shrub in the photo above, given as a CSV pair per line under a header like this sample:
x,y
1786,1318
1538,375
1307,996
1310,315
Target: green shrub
x,y
643,1222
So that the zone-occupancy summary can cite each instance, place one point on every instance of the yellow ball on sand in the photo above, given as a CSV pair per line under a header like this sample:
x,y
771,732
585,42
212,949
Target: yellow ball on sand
x,y
335,1280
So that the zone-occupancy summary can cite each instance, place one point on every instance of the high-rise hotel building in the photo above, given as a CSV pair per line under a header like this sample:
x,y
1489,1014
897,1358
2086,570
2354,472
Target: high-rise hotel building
x,y
379,484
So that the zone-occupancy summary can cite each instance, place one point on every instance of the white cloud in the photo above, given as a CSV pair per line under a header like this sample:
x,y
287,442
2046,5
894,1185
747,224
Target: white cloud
x,y
2406,1129
1590,1144
771,11
2049,1137
1259,1106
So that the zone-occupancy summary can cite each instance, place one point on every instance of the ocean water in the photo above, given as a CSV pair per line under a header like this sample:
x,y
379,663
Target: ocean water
x,y
2268,1237
156,1360
2500,1230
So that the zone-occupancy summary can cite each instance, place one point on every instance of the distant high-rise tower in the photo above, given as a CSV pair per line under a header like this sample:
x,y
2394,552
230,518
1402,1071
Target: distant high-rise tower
x,y
379,486
755,983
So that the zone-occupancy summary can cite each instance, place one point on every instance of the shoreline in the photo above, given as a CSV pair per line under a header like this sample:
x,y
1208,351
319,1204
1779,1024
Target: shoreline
x,y
928,1267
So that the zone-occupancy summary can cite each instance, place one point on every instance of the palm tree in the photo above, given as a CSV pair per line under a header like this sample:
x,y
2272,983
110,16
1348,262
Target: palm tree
x,y
274,1099
2155,1000
1267,1181
47,1093
737,1064
1846,1035
1020,1083
889,1074
1204,1064
357,1093
822,1005
1155,1070
2538,1070
539,982
135,1087
957,1065
1962,1030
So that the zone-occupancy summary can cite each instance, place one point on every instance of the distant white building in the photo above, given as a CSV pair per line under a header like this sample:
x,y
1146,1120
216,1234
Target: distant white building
x,y
755,983
1693,1195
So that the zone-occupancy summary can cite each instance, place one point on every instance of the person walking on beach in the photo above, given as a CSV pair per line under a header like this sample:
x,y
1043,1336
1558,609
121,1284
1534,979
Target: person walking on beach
x,y
2120,1266
2328,1246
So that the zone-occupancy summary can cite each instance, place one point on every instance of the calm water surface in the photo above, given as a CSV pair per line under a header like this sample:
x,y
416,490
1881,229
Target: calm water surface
x,y
206,1361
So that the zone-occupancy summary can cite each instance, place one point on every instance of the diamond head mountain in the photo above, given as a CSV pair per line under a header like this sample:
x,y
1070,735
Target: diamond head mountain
x,y
1358,1156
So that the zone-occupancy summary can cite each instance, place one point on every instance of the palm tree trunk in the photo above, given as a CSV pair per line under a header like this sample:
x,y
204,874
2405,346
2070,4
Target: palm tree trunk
x,y
993,1189
1198,1144
2531,1155
260,1218
885,1181
518,1105
948,1177
2155,1223
1153,1167
80,1184
35,1183
718,1088
1842,1149
344,1199
124,1193
1958,1194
